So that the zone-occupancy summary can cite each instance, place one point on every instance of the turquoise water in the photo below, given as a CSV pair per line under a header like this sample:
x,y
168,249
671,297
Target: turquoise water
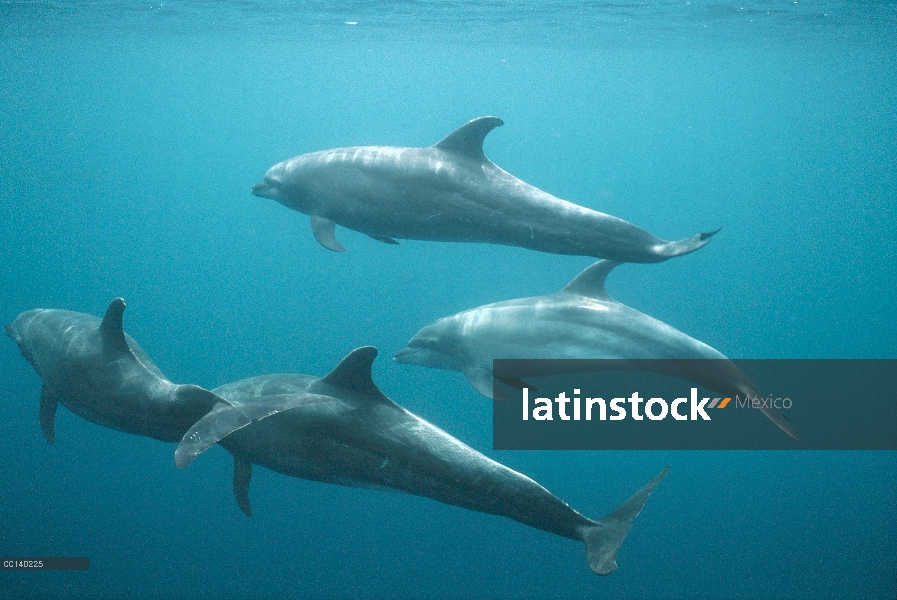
x,y
130,135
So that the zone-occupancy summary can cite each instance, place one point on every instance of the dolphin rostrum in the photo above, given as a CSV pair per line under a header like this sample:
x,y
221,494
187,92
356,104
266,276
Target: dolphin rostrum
x,y
341,429
99,373
451,192
579,322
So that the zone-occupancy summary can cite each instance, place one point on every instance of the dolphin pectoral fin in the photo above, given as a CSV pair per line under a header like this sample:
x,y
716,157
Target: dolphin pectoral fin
x,y
780,421
48,403
221,421
686,246
226,418
324,233
385,240
604,538
467,140
480,379
242,475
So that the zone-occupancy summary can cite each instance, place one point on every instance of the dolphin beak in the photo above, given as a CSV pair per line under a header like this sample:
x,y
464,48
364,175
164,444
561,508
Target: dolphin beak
x,y
403,356
260,189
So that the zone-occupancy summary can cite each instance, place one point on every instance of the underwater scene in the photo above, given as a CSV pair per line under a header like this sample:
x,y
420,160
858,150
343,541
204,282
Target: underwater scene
x,y
248,219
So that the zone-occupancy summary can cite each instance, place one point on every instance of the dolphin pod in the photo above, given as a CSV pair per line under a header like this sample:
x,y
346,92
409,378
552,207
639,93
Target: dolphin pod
x,y
338,429
342,429
580,321
450,192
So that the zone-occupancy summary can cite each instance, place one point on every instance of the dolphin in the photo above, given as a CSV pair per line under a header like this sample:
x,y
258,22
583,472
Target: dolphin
x,y
342,429
451,192
579,322
101,374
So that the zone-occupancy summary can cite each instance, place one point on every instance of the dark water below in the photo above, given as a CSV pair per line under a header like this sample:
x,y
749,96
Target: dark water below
x,y
130,135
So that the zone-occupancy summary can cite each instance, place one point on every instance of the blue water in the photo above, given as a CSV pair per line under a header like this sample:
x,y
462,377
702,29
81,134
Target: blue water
x,y
131,133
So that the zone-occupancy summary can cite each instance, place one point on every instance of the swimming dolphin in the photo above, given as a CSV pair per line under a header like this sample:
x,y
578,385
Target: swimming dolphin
x,y
579,322
99,373
451,192
341,429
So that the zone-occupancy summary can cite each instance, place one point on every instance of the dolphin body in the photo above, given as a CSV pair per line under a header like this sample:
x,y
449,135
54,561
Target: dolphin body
x,y
579,322
102,375
451,192
342,429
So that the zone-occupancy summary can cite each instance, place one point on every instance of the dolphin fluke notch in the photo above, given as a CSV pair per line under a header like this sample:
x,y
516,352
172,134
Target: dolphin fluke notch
x,y
604,538
467,140
686,246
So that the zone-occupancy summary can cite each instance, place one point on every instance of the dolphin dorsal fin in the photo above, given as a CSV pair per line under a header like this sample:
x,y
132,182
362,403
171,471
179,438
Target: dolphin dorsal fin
x,y
354,372
467,140
111,327
590,282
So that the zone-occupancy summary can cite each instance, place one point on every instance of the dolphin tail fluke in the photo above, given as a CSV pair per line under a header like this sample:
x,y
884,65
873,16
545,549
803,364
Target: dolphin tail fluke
x,y
680,247
604,538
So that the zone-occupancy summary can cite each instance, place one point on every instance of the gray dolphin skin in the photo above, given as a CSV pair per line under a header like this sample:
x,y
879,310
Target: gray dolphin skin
x,y
101,374
341,429
580,322
451,192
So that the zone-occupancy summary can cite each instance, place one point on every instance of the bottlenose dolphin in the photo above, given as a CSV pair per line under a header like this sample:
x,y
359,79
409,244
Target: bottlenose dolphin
x,y
342,429
102,375
580,322
451,192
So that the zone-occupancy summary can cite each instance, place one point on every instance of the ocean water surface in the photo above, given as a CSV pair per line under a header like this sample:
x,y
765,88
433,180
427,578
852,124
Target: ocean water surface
x,y
131,134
